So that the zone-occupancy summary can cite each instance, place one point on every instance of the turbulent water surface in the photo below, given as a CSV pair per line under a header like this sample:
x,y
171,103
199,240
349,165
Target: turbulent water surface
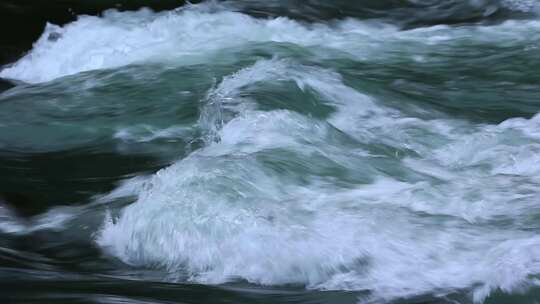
x,y
275,152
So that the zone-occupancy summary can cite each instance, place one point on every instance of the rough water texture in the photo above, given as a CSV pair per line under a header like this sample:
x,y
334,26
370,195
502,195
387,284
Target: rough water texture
x,y
221,152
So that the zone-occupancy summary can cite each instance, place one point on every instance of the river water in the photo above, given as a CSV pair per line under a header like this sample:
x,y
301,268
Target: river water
x,y
275,152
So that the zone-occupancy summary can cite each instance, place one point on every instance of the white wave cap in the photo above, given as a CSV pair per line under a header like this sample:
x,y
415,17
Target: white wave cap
x,y
228,212
196,34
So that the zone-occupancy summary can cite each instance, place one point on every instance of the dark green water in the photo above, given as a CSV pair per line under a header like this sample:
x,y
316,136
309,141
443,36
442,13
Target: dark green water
x,y
274,152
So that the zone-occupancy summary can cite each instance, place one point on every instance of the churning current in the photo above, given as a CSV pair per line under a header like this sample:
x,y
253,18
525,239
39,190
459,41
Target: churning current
x,y
217,154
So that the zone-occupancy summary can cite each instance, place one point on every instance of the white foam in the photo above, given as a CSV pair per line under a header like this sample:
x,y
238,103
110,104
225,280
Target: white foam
x,y
119,39
225,213
54,219
9,222
147,133
200,33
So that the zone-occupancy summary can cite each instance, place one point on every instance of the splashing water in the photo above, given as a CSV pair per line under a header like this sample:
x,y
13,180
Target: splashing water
x,y
356,156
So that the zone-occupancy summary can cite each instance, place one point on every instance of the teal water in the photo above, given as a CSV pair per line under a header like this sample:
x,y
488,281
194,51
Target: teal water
x,y
249,152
